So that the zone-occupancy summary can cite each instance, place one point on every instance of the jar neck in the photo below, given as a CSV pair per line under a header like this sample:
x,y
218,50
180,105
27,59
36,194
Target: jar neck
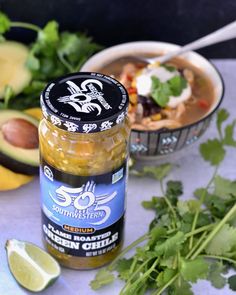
x,y
92,135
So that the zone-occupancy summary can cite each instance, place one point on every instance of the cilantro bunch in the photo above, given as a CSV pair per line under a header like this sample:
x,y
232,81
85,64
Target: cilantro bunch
x,y
52,54
187,240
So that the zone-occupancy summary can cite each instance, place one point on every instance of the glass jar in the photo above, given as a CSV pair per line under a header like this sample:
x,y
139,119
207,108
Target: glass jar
x,y
84,149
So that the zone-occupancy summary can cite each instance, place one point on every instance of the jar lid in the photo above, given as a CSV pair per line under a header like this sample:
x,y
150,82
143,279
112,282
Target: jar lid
x,y
85,102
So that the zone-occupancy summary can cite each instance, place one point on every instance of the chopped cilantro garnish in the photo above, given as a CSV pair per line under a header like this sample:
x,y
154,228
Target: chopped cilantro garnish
x,y
168,67
177,84
161,91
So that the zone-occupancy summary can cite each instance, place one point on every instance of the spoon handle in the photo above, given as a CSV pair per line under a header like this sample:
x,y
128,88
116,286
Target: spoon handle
x,y
226,33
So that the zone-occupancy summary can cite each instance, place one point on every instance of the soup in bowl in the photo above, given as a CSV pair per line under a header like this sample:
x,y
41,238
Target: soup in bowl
x,y
171,105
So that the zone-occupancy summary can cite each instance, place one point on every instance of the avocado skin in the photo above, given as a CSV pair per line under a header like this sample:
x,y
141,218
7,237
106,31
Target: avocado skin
x,y
17,166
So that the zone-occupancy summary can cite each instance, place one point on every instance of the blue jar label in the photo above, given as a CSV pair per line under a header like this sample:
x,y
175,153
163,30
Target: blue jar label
x,y
82,215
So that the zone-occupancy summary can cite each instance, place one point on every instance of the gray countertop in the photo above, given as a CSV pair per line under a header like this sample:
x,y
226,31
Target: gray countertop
x,y
20,209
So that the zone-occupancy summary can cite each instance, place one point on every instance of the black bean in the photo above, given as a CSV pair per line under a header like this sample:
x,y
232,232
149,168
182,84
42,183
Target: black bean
x,y
142,99
155,110
150,107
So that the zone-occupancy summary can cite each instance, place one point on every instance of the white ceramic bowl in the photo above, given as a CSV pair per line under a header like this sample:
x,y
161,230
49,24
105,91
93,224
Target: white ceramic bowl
x,y
162,142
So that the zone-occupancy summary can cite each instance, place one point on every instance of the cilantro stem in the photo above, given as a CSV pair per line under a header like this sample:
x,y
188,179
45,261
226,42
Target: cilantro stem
x,y
26,26
215,230
168,202
219,258
141,278
132,267
178,259
197,244
159,292
200,229
141,239
220,133
146,236
65,63
162,289
79,65
202,199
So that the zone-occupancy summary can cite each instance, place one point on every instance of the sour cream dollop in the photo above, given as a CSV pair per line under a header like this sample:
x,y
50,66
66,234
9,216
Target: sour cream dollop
x,y
144,84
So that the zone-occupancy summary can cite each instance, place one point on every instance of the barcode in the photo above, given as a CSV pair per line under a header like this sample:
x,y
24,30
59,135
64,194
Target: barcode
x,y
117,176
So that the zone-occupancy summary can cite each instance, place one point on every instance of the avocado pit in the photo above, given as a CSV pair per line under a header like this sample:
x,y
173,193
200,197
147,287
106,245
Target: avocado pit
x,y
20,133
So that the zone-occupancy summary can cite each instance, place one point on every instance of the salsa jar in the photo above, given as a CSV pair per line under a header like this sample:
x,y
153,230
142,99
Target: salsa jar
x,y
84,141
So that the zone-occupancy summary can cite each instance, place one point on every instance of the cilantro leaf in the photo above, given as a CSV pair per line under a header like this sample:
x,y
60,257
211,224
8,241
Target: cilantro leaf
x,y
5,23
174,188
203,219
212,151
169,262
194,269
182,207
165,276
75,49
199,191
170,68
158,172
161,208
165,220
229,135
123,268
32,62
155,83
224,188
218,206
223,241
233,221
50,33
193,205
177,84
215,275
222,115
103,277
171,245
232,282
220,201
34,86
144,253
29,97
68,44
155,234
188,206
160,92
181,287
151,204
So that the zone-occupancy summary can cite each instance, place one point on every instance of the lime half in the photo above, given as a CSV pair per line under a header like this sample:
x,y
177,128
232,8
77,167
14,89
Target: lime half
x,y
33,268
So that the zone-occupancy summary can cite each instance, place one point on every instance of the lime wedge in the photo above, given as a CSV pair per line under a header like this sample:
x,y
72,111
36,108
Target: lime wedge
x,y
33,268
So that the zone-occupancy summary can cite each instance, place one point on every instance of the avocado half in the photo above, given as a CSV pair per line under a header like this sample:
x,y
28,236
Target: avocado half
x,y
14,73
17,158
